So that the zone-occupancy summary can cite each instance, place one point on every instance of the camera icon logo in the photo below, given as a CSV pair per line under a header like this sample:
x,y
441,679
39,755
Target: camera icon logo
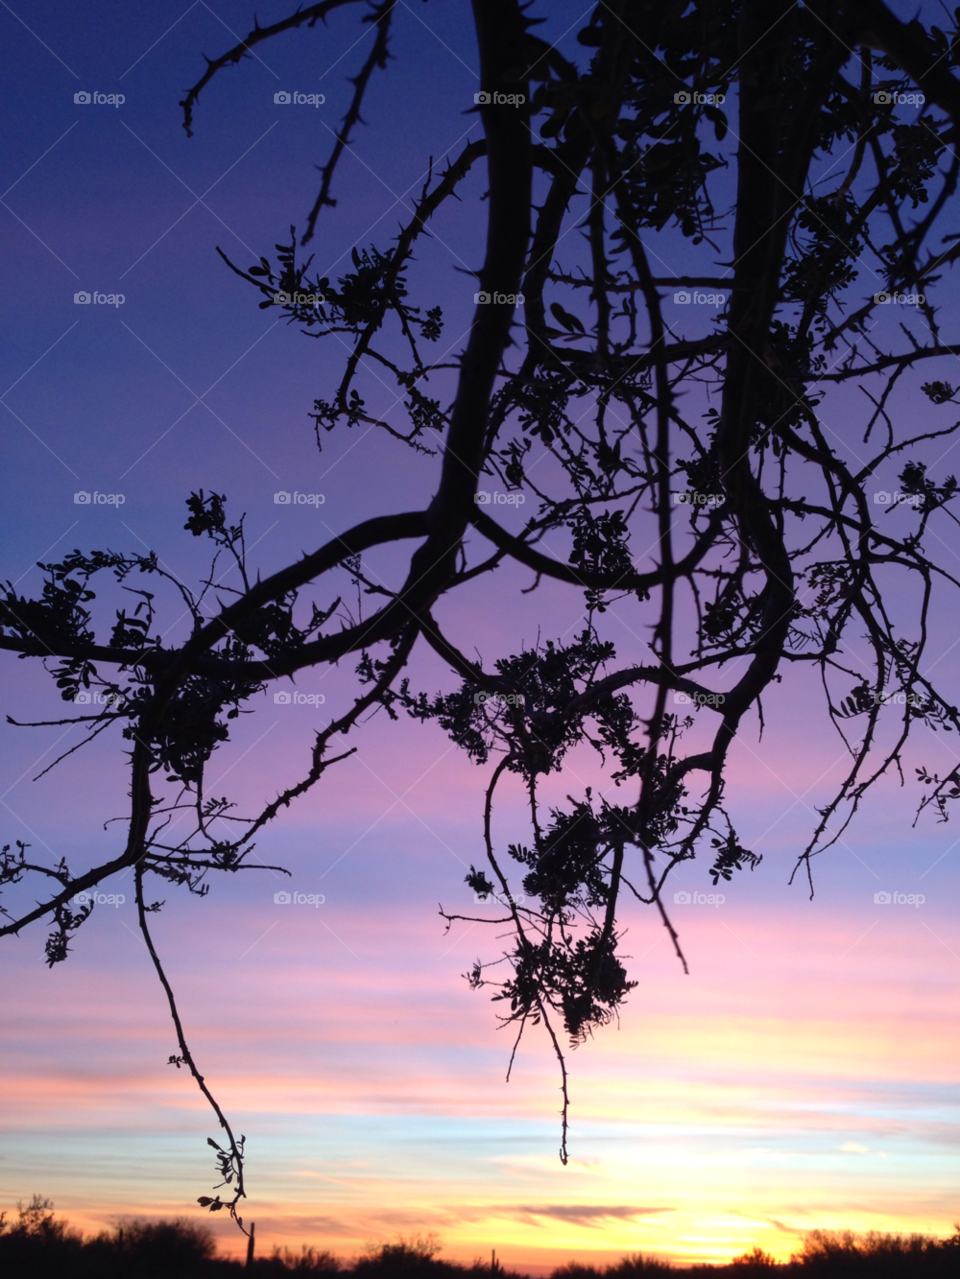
x,y
82,298
881,899
482,99
282,498
882,98
682,98
881,298
82,699
281,699
681,297
482,498
82,498
481,299
282,99
282,898
82,98
881,498
681,899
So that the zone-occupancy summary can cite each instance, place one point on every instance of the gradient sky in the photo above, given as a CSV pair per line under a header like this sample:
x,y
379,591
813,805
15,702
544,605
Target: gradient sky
x,y
803,1075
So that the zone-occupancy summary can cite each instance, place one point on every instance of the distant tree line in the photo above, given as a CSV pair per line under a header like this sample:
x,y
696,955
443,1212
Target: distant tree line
x,y
39,1245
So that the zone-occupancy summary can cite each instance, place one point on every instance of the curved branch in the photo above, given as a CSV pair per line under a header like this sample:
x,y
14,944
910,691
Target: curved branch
x,y
234,1168
524,553
378,58
310,15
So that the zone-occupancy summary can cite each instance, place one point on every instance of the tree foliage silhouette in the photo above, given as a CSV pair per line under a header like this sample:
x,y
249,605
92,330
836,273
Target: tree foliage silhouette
x,y
713,483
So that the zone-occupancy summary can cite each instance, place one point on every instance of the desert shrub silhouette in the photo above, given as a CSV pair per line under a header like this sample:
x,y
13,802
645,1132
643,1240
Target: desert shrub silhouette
x,y
635,1264
755,1260
879,1256
308,1261
625,1268
160,1248
38,1245
408,1259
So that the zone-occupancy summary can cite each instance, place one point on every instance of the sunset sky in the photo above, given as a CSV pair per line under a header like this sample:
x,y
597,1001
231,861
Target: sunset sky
x,y
803,1075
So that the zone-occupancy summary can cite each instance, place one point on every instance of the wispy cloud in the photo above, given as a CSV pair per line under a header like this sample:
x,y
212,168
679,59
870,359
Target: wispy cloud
x,y
592,1215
